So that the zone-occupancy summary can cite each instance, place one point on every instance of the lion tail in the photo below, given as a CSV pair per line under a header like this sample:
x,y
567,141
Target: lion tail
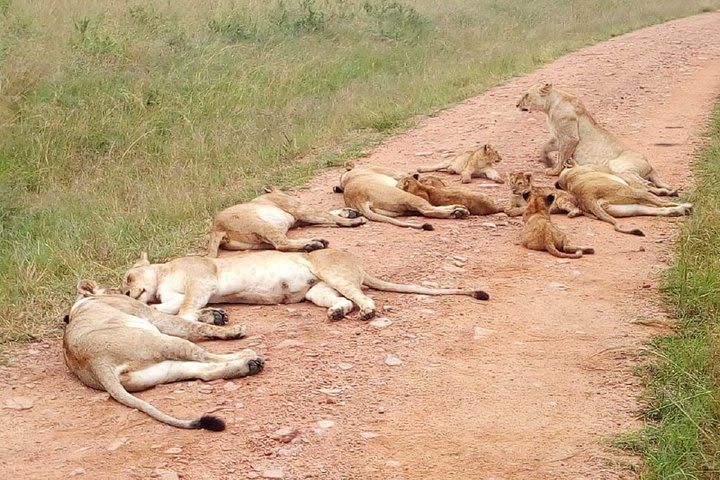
x,y
368,213
111,383
379,284
597,210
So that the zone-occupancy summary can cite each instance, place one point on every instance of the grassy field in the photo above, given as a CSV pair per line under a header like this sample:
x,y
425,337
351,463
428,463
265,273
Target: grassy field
x,y
125,125
682,436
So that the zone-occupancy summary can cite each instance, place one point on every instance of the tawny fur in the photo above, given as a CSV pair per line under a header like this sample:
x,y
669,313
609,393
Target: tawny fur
x,y
118,344
477,203
371,190
329,278
521,183
263,222
540,233
472,163
577,136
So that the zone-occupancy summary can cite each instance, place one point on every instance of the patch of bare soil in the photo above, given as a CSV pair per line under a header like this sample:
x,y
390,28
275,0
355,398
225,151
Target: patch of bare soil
x,y
528,385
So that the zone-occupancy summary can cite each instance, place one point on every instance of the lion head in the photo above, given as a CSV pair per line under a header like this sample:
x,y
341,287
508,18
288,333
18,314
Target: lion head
x,y
140,282
535,99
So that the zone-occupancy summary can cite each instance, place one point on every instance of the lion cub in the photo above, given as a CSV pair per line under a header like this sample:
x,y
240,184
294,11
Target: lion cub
x,y
472,163
539,233
477,203
521,182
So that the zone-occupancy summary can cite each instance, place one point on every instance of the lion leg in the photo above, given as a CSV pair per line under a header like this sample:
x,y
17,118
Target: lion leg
x,y
569,248
281,242
492,174
634,210
566,149
547,148
216,239
655,179
600,213
313,217
466,175
323,295
434,168
424,208
208,325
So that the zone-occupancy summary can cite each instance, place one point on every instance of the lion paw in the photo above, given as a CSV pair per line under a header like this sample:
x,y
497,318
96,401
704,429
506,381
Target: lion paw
x,y
460,212
367,314
255,366
335,314
316,244
350,213
213,316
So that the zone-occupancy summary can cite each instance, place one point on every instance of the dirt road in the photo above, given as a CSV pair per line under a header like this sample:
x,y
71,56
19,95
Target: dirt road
x,y
529,385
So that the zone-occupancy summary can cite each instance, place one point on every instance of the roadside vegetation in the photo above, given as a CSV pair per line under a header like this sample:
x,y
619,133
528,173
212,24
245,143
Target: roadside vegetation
x,y
681,439
125,125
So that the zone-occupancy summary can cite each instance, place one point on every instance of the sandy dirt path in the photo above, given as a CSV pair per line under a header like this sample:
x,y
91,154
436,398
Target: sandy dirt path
x,y
529,385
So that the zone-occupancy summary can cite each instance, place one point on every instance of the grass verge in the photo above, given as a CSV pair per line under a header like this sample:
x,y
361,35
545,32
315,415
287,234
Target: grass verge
x,y
125,125
681,439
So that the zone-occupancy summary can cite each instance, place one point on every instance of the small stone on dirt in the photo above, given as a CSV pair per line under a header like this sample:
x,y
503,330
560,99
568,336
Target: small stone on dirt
x,y
230,386
481,332
488,225
77,472
393,361
331,391
173,450
345,366
206,389
426,311
393,463
289,343
19,403
459,258
325,424
423,154
164,474
369,435
117,443
273,473
284,434
558,286
381,322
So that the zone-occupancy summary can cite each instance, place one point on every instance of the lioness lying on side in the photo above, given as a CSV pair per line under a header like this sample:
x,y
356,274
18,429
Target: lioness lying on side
x,y
118,344
540,233
263,222
606,196
371,190
328,278
575,134
477,203
472,163
521,183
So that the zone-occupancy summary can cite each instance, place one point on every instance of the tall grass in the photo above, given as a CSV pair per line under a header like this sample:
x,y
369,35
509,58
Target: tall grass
x,y
682,437
125,125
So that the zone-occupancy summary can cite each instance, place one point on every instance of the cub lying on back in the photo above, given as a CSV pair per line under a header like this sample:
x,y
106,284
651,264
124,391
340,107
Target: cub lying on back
x,y
477,203
263,222
521,182
120,345
539,233
472,163
576,135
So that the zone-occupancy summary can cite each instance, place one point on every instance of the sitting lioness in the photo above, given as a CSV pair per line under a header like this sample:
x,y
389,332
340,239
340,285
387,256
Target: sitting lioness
x,y
118,344
328,278
477,203
371,190
521,183
472,163
263,222
539,233
575,134
606,196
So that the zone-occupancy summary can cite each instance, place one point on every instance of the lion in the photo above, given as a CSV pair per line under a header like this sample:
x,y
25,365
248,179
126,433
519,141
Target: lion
x,y
263,222
540,233
472,163
576,134
521,183
371,190
118,344
606,196
477,203
328,278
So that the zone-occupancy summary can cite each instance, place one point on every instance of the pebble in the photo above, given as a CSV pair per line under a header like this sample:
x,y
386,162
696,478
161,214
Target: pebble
x,y
77,472
19,403
284,434
459,258
331,391
369,435
205,389
345,366
423,154
426,311
165,474
289,452
230,386
393,463
289,343
558,286
273,473
252,475
117,443
381,322
325,424
488,225
392,361
174,450
481,332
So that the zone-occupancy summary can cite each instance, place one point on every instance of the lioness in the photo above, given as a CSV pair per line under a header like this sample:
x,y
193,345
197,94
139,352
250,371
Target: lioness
x,y
263,222
118,344
607,196
521,183
539,233
477,203
371,190
328,278
472,163
575,134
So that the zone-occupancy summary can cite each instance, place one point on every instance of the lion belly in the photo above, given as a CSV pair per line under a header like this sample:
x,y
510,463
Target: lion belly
x,y
263,278
276,216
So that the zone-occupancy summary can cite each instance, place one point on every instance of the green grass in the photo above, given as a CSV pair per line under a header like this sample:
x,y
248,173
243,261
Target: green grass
x,y
681,439
125,125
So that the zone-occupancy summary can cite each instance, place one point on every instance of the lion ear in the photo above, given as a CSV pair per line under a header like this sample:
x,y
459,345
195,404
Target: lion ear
x,y
268,189
87,288
142,261
526,195
349,165
486,148
546,88
549,199
528,176
416,176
